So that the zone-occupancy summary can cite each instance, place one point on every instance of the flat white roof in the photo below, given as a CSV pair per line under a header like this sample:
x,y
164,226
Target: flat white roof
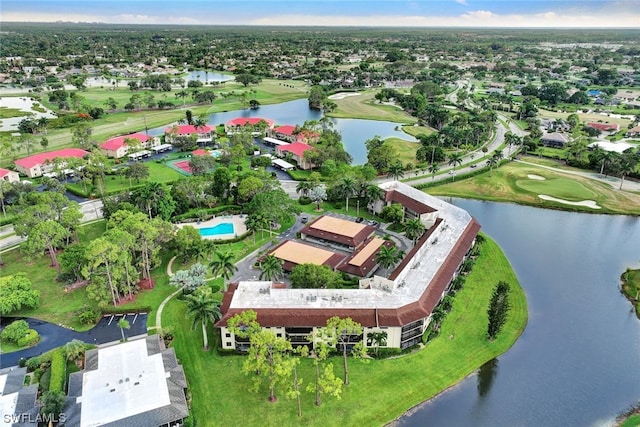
x,y
162,147
275,141
7,408
139,154
409,285
617,147
127,382
282,164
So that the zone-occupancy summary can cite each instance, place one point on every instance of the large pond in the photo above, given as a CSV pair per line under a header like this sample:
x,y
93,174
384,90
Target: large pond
x,y
208,76
578,361
354,131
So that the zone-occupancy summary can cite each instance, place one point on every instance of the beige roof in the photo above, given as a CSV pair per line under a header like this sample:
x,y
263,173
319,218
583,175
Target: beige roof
x,y
367,251
299,253
338,226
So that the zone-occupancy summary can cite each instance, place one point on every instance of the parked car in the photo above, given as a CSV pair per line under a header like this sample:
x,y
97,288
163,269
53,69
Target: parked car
x,y
452,173
304,219
475,165
359,219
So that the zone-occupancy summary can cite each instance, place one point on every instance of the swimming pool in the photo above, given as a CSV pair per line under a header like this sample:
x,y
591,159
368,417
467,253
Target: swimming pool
x,y
222,228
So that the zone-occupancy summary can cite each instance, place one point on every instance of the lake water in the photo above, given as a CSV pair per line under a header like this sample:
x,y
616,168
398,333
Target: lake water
x,y
208,76
354,131
578,361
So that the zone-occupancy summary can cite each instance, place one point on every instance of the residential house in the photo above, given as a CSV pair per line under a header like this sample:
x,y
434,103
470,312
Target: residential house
x,y
39,164
554,139
203,134
296,150
9,176
117,147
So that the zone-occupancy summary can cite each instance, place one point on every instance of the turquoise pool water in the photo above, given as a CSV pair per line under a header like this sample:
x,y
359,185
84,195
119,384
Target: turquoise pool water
x,y
223,228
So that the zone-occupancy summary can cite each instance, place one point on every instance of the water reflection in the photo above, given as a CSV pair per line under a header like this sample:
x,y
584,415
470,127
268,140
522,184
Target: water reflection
x,y
486,374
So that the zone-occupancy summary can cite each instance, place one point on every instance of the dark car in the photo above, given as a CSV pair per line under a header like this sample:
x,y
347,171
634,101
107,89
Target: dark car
x,y
304,219
359,219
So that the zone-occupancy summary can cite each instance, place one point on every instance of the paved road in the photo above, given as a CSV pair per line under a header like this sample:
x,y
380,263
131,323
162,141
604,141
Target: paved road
x,y
55,336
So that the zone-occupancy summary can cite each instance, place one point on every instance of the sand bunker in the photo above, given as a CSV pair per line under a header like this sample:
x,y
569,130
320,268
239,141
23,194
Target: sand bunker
x,y
588,203
536,177
342,95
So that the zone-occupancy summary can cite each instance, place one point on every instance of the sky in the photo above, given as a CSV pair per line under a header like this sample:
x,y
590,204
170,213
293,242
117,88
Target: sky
x,y
359,13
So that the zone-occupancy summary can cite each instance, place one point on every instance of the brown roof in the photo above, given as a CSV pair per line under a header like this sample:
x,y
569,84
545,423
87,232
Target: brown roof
x,y
407,202
294,253
339,231
361,262
369,317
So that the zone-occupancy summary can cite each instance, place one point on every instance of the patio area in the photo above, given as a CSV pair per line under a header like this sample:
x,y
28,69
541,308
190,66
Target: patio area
x,y
221,227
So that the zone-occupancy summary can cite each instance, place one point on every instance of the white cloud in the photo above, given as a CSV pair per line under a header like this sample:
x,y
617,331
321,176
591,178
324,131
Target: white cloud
x,y
464,2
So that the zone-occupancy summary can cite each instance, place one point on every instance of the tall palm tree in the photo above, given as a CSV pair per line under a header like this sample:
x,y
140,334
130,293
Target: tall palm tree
x,y
304,187
203,309
491,162
414,228
123,324
271,268
372,193
348,188
396,171
222,265
455,159
388,256
433,169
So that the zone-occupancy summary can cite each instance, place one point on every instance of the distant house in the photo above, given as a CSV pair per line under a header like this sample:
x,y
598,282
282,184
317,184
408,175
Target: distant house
x,y
616,147
203,133
288,133
39,164
253,123
9,176
554,139
117,147
635,131
297,150
136,383
605,127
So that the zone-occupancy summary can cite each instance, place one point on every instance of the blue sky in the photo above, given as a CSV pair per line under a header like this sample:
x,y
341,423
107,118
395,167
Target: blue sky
x,y
448,13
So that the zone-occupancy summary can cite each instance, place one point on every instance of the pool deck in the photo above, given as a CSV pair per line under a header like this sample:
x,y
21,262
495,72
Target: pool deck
x,y
238,225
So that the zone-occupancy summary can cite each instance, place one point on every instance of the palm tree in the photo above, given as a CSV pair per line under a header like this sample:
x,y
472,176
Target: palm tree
x,y
491,162
202,308
414,228
74,350
627,166
372,193
396,171
123,324
388,256
271,268
455,159
222,265
182,94
433,169
348,188
304,187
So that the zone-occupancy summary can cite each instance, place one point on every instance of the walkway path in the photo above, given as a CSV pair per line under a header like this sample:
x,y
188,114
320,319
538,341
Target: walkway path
x,y
158,325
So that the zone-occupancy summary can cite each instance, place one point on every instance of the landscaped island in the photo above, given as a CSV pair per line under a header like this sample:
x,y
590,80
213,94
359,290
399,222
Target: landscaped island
x,y
631,288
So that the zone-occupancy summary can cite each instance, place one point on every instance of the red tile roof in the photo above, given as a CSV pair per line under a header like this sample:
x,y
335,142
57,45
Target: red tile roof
x,y
4,172
285,129
189,129
243,121
118,141
605,127
297,148
39,159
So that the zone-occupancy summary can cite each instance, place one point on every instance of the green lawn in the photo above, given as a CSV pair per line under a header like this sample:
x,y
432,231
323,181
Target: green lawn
x,y
7,113
632,421
406,150
631,288
563,188
416,130
364,106
379,391
511,183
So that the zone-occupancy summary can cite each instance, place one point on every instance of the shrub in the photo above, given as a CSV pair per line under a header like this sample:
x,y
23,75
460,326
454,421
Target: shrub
x,y
45,380
384,353
304,200
33,364
88,315
29,339
15,330
57,371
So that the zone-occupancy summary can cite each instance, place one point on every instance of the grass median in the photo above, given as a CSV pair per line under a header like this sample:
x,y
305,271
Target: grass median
x,y
379,390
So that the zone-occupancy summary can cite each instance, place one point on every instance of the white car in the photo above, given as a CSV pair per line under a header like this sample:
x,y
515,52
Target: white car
x,y
452,172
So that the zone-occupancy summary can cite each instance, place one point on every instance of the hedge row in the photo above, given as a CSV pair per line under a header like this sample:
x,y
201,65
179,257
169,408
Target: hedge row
x,y
29,339
206,213
57,371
